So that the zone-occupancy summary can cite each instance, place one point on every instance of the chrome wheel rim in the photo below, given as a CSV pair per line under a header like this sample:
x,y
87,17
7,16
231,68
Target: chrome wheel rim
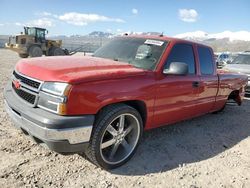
x,y
120,138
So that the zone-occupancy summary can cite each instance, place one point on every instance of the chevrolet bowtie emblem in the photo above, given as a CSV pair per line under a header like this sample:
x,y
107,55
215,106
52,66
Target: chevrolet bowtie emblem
x,y
17,84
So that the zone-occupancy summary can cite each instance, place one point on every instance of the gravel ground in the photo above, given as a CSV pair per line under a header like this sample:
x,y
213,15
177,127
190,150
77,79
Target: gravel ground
x,y
209,151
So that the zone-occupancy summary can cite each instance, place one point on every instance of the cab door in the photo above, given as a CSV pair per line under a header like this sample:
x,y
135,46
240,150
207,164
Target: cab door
x,y
177,96
209,82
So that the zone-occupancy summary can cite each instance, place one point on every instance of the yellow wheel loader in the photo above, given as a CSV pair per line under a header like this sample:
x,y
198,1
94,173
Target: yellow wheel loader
x,y
34,44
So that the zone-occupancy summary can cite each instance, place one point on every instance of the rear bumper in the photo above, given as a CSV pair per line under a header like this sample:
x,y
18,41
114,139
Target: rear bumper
x,y
64,134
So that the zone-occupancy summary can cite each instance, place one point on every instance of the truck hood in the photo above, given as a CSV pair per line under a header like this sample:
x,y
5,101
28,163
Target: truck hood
x,y
75,69
240,68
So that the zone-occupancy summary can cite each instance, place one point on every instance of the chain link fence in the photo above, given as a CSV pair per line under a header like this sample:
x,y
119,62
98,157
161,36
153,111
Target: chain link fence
x,y
80,44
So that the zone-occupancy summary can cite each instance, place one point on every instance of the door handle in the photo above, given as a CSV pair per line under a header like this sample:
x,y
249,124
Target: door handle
x,y
196,84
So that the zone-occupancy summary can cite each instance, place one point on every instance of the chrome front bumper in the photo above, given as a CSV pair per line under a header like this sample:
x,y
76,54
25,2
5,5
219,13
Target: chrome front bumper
x,y
72,135
65,134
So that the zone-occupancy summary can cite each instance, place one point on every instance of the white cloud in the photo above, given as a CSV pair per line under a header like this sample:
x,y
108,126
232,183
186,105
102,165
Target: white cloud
x,y
19,24
46,14
188,15
80,19
109,30
43,22
134,11
1,24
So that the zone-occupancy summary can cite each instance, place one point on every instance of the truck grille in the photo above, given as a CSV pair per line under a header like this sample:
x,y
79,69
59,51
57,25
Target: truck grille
x,y
27,89
27,81
30,98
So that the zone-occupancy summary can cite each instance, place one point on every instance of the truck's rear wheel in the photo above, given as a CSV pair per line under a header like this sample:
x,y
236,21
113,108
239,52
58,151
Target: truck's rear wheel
x,y
115,136
35,51
56,51
23,55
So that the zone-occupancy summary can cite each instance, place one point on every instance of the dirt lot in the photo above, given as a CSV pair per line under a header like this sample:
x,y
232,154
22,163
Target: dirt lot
x,y
210,151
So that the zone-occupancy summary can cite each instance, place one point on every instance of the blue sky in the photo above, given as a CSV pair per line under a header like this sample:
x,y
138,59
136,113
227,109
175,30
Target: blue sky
x,y
68,17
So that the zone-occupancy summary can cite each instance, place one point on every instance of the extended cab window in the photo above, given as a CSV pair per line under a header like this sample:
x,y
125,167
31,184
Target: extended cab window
x,y
182,53
206,60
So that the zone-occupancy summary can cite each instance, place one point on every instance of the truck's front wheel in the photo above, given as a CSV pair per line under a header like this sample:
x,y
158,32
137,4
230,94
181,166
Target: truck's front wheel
x,y
115,136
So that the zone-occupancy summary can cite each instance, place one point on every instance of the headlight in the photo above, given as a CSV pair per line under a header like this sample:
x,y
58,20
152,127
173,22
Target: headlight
x,y
56,88
53,97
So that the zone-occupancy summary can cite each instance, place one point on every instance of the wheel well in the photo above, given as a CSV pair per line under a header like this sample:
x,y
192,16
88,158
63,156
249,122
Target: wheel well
x,y
233,95
140,106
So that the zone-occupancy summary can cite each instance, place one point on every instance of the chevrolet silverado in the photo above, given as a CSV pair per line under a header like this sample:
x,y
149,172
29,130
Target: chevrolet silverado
x,y
101,104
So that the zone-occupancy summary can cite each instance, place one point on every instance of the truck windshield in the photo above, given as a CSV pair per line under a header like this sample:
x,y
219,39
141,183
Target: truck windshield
x,y
242,59
140,52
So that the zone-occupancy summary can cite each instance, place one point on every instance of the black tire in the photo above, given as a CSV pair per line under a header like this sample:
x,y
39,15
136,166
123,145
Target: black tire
x,y
56,51
104,119
23,55
35,51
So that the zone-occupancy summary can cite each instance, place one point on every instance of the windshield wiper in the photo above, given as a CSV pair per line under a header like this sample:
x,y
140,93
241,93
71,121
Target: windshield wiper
x,y
120,60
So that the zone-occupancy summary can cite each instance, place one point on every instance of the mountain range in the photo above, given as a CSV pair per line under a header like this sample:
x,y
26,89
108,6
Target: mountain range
x,y
220,42
224,41
204,36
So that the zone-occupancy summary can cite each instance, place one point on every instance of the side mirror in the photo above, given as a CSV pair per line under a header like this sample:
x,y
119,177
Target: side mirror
x,y
177,68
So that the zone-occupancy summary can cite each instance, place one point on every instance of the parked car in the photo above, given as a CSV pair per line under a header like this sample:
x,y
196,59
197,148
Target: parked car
x,y
216,57
241,64
223,59
102,104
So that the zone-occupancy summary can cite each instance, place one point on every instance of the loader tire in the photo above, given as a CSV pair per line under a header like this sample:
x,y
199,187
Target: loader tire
x,y
56,51
35,51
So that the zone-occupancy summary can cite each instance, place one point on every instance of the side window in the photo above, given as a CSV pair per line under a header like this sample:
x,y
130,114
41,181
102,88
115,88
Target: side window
x,y
182,53
206,60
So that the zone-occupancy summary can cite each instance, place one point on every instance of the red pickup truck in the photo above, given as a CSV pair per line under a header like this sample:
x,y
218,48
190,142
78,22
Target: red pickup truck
x,y
102,104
